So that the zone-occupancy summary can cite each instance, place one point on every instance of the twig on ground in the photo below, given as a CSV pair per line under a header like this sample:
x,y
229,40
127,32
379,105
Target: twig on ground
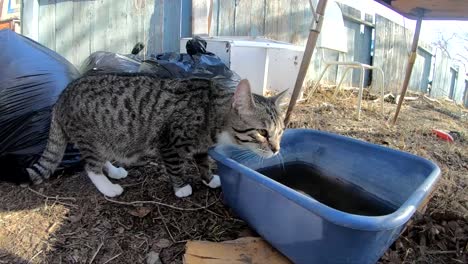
x,y
134,203
33,257
114,257
52,197
165,225
438,252
95,253
56,198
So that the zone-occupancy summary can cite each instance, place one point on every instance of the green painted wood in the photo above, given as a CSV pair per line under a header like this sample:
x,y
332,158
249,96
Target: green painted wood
x,y
100,21
300,17
243,23
277,24
64,20
116,36
154,27
46,31
226,22
172,19
250,18
82,14
214,30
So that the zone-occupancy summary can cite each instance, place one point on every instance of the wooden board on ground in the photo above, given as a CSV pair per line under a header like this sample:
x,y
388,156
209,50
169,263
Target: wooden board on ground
x,y
252,250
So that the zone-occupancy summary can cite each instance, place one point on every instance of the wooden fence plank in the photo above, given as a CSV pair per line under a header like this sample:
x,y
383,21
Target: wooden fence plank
x,y
227,22
46,31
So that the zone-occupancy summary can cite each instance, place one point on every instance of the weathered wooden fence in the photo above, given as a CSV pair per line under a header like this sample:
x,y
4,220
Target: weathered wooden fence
x,y
392,47
76,28
289,21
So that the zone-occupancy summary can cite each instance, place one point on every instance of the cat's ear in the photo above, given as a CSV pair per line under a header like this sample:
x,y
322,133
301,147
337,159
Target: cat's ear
x,y
243,99
277,99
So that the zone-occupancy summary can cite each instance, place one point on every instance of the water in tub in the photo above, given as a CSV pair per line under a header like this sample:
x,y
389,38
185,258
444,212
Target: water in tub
x,y
328,190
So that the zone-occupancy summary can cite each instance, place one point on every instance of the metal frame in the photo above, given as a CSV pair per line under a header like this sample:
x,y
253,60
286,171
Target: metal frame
x,y
312,41
349,66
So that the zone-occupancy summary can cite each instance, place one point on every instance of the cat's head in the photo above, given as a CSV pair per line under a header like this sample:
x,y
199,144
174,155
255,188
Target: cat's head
x,y
256,122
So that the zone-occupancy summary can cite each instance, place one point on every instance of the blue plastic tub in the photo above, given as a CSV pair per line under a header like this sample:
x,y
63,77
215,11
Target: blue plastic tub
x,y
307,231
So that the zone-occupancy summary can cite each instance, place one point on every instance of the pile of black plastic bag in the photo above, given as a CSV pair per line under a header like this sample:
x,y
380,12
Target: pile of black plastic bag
x,y
33,76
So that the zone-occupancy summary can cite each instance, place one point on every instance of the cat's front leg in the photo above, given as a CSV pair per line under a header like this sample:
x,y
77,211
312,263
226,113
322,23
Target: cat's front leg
x,y
203,165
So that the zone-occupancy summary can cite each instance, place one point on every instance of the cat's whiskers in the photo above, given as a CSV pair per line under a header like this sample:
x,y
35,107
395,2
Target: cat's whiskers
x,y
281,160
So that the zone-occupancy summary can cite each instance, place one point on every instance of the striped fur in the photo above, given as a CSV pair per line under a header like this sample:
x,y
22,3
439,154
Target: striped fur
x,y
124,118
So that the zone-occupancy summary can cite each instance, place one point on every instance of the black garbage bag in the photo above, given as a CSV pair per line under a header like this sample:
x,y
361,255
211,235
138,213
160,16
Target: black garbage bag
x,y
197,62
104,61
31,79
196,45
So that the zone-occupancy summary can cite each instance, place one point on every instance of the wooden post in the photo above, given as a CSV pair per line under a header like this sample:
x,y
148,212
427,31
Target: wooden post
x,y
409,67
309,50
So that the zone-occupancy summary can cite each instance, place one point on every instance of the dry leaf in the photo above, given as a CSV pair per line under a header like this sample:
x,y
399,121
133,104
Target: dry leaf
x,y
140,211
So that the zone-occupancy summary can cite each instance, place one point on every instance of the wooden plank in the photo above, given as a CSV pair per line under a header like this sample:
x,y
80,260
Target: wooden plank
x,y
441,78
214,24
277,23
116,40
81,31
255,249
186,27
46,30
30,19
392,43
250,18
153,26
243,23
100,21
64,29
300,18
226,22
200,10
172,15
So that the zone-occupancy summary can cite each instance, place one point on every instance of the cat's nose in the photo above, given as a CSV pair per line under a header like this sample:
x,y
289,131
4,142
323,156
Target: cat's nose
x,y
274,149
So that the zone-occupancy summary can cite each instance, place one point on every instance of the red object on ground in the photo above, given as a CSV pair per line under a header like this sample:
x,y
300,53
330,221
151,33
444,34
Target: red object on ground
x,y
442,135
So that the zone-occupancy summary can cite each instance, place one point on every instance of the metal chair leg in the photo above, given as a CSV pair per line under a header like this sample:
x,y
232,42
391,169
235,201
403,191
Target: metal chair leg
x,y
360,93
318,82
341,81
382,91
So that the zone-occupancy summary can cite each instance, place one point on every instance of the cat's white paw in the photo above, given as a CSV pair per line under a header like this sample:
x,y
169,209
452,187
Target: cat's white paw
x,y
118,173
112,190
104,185
184,191
115,172
215,182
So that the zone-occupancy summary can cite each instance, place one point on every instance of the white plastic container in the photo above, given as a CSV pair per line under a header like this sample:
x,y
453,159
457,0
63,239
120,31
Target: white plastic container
x,y
268,65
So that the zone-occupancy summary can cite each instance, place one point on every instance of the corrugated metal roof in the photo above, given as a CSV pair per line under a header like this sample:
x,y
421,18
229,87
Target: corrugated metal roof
x,y
433,9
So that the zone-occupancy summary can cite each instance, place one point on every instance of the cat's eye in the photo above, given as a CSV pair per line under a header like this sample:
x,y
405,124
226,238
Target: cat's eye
x,y
262,132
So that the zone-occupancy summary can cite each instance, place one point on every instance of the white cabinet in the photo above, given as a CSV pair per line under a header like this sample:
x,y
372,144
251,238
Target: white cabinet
x,y
268,65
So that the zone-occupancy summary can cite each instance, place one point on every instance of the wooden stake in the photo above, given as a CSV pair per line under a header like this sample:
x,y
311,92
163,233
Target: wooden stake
x,y
409,67
309,50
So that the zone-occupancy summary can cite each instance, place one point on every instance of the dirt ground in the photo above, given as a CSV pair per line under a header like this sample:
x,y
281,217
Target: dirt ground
x,y
67,221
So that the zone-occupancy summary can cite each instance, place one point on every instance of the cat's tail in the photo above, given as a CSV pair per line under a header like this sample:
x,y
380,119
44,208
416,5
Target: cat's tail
x,y
52,155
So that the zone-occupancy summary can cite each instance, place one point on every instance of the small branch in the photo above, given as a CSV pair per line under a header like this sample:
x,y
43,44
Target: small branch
x,y
33,257
439,252
114,257
51,197
165,225
56,199
95,253
161,204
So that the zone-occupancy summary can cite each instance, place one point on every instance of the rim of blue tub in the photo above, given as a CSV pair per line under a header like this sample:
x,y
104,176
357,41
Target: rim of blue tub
x,y
359,222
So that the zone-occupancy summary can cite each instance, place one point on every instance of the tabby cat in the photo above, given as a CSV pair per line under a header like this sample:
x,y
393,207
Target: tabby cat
x,y
123,118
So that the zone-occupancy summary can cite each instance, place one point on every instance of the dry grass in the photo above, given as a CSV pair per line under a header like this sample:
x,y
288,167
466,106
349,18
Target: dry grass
x,y
67,221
